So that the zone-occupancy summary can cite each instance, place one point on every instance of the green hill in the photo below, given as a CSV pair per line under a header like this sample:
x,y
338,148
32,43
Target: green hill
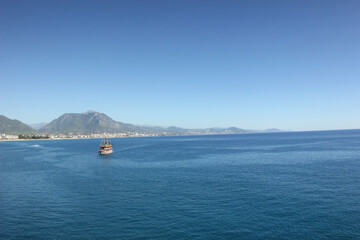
x,y
15,127
88,122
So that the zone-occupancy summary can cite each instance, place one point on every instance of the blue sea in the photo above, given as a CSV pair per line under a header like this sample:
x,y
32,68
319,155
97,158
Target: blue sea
x,y
296,185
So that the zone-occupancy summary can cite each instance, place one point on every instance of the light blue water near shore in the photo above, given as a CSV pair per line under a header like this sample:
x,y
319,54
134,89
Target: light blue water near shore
x,y
301,185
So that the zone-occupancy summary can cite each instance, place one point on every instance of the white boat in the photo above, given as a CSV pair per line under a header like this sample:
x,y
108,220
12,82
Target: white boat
x,y
105,147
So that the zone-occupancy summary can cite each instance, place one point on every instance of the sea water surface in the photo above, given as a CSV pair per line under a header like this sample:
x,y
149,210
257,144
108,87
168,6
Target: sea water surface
x,y
298,185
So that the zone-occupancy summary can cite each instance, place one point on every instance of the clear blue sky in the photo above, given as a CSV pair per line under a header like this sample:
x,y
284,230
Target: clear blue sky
x,y
251,64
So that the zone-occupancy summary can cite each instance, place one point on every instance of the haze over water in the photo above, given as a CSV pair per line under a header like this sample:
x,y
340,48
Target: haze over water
x,y
301,185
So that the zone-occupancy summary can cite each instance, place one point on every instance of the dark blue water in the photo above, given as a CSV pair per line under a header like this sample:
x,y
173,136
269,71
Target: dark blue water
x,y
303,185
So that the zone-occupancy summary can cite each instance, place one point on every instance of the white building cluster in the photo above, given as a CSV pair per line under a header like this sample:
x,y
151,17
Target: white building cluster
x,y
4,136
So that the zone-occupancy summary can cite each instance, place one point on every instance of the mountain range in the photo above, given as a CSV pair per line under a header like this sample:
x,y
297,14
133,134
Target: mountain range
x,y
94,122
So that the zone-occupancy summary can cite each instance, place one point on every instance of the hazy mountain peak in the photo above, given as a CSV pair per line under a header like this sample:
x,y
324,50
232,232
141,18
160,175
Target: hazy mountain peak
x,y
37,126
89,111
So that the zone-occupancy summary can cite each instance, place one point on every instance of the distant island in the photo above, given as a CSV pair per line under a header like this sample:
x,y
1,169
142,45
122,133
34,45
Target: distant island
x,y
93,124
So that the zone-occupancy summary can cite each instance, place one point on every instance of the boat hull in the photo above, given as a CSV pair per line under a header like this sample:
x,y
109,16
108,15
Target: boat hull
x,y
105,152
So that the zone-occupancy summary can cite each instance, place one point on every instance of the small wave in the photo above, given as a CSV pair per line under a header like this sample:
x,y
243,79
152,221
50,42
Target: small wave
x,y
36,145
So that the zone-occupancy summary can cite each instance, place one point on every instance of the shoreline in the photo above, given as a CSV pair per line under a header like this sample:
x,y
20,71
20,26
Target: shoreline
x,y
77,138
212,134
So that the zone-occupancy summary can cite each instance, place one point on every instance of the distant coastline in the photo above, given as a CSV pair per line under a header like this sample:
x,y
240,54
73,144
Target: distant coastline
x,y
93,124
126,136
144,136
